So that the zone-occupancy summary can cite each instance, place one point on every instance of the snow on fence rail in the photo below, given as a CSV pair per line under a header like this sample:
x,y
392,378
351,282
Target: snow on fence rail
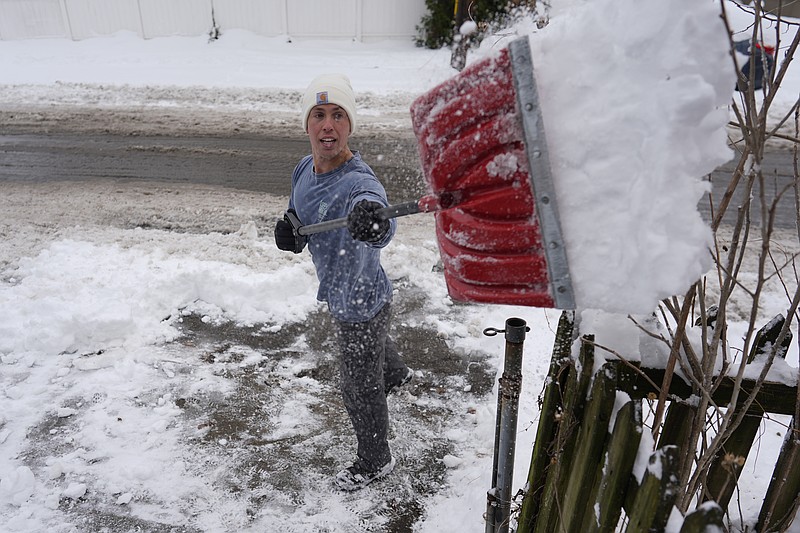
x,y
363,20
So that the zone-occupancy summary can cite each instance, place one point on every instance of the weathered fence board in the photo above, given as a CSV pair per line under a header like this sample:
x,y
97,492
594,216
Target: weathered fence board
x,y
549,419
708,514
727,467
783,495
677,428
656,495
773,397
550,509
587,464
622,448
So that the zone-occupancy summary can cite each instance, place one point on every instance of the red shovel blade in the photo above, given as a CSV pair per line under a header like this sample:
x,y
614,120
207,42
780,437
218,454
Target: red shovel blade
x,y
473,152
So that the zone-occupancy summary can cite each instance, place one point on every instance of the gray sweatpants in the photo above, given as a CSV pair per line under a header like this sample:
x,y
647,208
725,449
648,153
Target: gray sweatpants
x,y
368,361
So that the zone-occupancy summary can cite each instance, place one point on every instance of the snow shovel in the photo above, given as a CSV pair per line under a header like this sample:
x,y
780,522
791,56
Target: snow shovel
x,y
484,157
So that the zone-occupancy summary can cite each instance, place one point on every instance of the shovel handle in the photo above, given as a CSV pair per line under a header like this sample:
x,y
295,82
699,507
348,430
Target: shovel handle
x,y
392,211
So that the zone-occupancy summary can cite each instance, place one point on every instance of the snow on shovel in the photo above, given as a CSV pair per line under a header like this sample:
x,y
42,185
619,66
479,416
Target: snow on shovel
x,y
484,157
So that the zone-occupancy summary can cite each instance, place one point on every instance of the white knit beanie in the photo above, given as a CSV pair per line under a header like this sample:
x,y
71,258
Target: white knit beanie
x,y
330,89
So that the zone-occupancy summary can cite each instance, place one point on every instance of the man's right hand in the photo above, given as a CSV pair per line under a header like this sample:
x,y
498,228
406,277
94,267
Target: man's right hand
x,y
287,238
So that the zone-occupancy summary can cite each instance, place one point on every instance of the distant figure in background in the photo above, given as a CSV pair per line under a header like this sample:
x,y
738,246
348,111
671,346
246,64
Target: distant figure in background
x,y
333,182
762,59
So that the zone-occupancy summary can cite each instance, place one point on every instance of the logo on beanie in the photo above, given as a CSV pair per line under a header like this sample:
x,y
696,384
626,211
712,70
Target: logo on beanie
x,y
322,98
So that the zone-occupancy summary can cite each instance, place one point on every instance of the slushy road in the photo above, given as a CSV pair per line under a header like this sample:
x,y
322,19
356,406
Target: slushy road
x,y
264,164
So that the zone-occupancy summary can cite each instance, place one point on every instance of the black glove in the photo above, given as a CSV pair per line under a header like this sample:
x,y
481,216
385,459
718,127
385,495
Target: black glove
x,y
286,236
366,225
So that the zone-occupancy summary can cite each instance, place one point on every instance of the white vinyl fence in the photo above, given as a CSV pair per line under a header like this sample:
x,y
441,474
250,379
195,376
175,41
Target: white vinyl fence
x,y
362,20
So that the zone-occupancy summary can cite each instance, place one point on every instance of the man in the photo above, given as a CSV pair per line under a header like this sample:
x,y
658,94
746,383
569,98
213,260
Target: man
x,y
333,182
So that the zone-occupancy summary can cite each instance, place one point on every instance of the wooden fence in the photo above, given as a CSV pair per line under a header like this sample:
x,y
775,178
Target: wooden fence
x,y
581,476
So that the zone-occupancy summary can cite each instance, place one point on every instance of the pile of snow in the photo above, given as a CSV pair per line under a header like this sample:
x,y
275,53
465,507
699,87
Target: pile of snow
x,y
635,113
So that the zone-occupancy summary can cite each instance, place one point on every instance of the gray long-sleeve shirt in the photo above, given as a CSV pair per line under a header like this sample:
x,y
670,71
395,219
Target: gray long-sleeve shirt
x,y
351,278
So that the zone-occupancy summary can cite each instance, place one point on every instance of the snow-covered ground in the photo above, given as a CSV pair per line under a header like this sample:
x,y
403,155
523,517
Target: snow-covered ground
x,y
164,367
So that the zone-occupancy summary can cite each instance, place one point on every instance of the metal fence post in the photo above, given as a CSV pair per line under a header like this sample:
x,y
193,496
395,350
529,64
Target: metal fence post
x,y
499,496
65,15
141,19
